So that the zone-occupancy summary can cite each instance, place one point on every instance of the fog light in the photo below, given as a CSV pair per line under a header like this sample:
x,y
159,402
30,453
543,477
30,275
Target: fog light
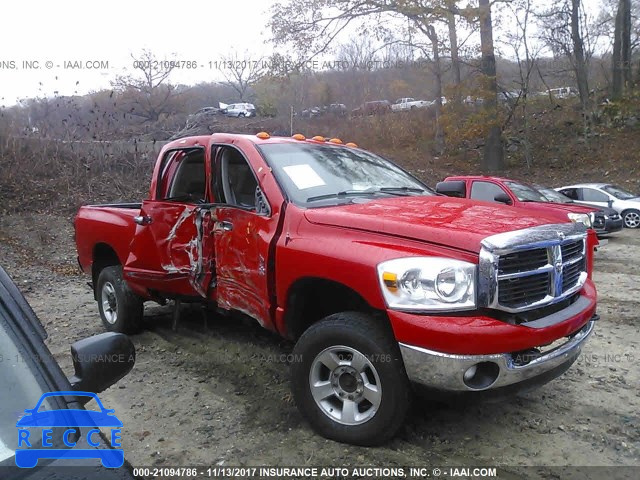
x,y
481,375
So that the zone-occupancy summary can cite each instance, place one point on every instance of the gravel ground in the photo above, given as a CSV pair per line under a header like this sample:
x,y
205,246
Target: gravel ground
x,y
216,391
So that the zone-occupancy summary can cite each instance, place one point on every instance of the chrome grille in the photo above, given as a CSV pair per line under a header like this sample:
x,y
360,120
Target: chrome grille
x,y
521,275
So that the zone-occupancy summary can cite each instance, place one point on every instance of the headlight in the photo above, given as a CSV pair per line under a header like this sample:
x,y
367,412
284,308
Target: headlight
x,y
580,218
428,284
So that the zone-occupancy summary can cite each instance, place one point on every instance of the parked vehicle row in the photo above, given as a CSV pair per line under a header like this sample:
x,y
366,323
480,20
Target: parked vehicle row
x,y
623,202
603,219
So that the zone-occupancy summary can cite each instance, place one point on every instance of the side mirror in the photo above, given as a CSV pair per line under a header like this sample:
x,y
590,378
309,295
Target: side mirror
x,y
610,203
100,361
503,198
452,188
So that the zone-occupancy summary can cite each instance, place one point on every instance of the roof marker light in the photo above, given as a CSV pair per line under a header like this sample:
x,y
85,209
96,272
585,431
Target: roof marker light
x,y
299,136
263,136
319,138
352,145
336,141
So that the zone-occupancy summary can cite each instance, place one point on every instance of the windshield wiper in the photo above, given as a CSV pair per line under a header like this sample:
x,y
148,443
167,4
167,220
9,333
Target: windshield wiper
x,y
401,190
342,194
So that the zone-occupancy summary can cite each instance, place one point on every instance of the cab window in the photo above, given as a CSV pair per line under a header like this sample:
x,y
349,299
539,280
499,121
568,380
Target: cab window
x,y
591,195
486,191
572,193
182,177
237,184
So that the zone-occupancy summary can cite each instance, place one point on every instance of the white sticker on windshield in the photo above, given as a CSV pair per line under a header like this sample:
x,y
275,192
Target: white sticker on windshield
x,y
304,176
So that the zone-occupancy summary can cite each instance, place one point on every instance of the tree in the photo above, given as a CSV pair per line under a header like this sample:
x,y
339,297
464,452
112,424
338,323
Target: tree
x,y
622,49
580,61
526,57
567,32
242,72
313,25
149,94
493,158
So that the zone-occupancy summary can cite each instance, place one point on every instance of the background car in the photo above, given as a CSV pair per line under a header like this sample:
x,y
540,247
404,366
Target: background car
x,y
239,110
625,203
376,107
99,362
311,112
606,220
339,109
403,104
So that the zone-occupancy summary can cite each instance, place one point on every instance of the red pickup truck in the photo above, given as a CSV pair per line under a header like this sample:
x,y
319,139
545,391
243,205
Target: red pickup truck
x,y
518,194
380,281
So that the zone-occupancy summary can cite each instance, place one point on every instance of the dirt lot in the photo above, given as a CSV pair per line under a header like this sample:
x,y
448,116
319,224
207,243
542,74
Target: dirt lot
x,y
216,392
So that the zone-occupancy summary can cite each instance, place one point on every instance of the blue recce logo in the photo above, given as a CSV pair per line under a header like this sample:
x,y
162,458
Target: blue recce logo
x,y
34,449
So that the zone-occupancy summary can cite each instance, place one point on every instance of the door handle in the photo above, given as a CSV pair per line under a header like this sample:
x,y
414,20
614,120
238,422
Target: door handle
x,y
142,220
224,226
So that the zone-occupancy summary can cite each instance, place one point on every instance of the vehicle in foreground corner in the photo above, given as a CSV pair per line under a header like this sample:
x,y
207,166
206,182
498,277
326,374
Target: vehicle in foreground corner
x,y
380,281
605,221
33,376
625,203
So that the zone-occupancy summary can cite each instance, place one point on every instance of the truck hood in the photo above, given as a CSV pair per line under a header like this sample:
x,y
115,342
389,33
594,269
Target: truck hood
x,y
452,222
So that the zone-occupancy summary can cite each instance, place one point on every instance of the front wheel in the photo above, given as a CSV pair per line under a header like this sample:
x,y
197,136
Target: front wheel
x,y
349,381
120,309
631,218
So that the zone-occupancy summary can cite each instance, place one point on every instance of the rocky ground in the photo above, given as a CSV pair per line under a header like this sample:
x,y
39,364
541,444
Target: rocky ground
x,y
216,391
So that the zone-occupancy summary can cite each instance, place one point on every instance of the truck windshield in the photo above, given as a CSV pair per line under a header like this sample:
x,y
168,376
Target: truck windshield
x,y
525,193
315,175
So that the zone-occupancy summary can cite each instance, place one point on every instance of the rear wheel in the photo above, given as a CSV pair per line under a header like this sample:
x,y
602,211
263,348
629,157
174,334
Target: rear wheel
x,y
348,379
631,218
120,308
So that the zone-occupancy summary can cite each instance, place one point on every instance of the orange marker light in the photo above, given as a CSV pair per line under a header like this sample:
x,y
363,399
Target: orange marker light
x,y
390,281
299,136
352,145
336,140
263,136
319,138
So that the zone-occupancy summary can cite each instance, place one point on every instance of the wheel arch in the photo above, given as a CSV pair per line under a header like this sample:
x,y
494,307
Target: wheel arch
x,y
103,256
311,299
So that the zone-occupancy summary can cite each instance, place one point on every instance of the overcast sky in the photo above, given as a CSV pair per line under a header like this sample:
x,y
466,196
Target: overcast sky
x,y
52,33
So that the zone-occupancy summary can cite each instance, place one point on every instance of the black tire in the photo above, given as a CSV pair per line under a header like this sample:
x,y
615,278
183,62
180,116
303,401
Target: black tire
x,y
241,115
120,309
631,218
359,332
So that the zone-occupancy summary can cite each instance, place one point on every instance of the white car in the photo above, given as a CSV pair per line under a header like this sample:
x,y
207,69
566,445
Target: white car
x,y
238,110
606,195
403,104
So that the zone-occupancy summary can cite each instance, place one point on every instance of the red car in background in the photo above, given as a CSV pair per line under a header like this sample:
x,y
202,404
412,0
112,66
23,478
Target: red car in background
x,y
517,194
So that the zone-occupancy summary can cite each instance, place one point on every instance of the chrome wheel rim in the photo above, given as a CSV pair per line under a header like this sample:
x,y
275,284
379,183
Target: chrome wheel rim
x,y
345,385
632,220
109,303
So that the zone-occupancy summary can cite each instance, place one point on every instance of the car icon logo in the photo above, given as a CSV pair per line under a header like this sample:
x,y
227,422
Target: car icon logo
x,y
71,420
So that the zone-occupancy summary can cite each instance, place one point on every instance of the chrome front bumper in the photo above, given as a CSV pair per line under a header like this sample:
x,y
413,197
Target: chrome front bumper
x,y
446,372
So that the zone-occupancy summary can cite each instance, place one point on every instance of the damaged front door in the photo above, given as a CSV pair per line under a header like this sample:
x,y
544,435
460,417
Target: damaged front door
x,y
243,232
170,251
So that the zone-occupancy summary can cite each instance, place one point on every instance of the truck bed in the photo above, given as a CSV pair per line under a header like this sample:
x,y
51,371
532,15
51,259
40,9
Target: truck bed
x,y
108,224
